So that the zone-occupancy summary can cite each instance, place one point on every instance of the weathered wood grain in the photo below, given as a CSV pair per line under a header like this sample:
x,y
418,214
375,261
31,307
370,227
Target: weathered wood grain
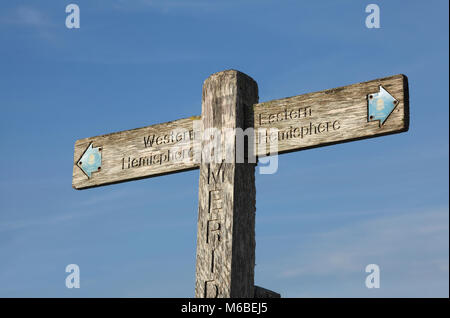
x,y
225,257
130,155
315,113
226,215
346,106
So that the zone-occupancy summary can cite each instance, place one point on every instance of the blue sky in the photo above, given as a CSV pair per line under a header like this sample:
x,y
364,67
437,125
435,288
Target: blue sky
x,y
139,62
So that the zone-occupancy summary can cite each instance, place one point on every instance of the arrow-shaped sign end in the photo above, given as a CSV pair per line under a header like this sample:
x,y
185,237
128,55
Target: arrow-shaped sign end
x,y
91,160
380,105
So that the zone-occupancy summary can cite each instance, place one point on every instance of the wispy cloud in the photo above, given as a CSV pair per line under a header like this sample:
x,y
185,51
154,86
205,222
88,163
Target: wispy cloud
x,y
166,6
375,238
25,16
411,250
89,206
31,18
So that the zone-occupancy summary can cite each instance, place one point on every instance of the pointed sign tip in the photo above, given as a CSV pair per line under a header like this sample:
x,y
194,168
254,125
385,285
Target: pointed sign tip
x,y
91,160
381,105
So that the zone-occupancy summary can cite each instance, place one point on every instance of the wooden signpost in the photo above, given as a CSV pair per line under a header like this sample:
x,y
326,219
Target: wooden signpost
x,y
226,218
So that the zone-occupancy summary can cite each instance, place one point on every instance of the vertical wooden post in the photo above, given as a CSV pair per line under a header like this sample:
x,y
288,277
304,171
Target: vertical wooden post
x,y
226,214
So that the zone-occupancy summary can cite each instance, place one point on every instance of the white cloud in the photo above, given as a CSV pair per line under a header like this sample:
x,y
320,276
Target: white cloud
x,y
26,16
171,5
411,249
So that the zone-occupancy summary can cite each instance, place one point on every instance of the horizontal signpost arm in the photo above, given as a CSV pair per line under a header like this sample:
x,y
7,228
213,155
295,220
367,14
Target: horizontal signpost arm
x,y
135,154
331,116
364,110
